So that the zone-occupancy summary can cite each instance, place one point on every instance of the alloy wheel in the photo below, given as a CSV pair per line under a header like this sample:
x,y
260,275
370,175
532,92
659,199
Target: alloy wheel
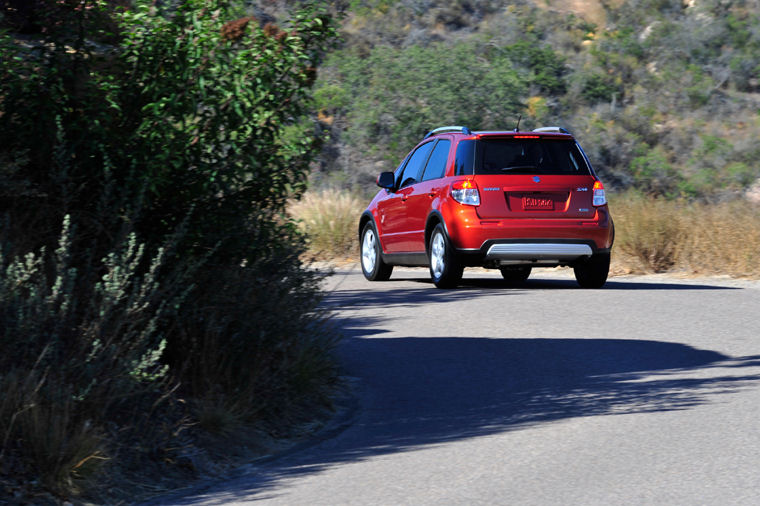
x,y
437,255
369,251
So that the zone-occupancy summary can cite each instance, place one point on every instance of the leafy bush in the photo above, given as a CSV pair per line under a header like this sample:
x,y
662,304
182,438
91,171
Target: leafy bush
x,y
599,88
81,347
172,144
389,106
653,173
258,347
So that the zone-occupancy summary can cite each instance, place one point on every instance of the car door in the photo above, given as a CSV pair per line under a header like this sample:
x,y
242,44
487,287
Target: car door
x,y
394,218
423,194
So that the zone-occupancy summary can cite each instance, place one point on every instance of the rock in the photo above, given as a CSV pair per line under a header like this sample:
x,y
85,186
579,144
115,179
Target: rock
x,y
753,193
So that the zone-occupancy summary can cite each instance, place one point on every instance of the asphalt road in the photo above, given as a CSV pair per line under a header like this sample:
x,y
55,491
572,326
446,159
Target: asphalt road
x,y
644,392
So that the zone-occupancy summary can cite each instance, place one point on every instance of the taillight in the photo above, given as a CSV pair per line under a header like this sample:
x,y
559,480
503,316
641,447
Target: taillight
x,y
466,192
599,197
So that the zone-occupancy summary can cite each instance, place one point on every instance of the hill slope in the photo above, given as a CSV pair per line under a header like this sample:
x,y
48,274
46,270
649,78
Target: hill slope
x,y
662,94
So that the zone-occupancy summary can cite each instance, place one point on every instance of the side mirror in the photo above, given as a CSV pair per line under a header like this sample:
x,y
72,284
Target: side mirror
x,y
386,180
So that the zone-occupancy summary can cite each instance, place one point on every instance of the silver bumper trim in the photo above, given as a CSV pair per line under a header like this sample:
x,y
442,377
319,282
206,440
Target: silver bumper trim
x,y
538,251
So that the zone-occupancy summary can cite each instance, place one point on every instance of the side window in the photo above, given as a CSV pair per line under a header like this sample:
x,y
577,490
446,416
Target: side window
x,y
413,170
436,165
465,158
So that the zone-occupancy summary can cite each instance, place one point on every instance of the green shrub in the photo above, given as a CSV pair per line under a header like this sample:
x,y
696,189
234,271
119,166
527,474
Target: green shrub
x,y
259,342
654,174
392,107
599,88
80,349
172,145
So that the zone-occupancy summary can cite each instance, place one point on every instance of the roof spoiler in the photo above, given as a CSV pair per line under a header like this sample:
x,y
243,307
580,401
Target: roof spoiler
x,y
449,129
553,129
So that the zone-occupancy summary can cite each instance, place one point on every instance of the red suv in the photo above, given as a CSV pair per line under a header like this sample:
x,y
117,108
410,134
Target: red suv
x,y
504,200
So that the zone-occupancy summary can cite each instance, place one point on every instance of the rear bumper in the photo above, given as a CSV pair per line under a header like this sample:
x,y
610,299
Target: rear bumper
x,y
534,242
468,233
530,252
536,251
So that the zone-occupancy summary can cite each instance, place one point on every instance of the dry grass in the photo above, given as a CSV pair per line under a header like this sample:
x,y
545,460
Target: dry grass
x,y
330,219
652,234
657,235
62,450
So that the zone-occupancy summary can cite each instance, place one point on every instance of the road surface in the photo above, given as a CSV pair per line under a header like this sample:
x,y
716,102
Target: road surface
x,y
644,392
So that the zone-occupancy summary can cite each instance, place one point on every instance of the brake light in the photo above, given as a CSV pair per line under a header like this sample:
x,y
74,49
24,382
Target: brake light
x,y
527,136
600,198
466,192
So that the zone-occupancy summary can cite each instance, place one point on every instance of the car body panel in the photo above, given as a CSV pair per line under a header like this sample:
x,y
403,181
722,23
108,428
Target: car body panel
x,y
519,196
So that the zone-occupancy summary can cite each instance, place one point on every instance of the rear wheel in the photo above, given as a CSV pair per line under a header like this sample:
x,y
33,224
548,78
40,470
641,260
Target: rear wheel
x,y
515,274
592,273
445,270
373,267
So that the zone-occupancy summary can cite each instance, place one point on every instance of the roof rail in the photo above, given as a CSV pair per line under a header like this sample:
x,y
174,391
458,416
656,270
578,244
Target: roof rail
x,y
449,129
553,129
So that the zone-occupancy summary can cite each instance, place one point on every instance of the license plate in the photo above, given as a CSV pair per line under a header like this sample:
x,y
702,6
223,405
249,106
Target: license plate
x,y
538,204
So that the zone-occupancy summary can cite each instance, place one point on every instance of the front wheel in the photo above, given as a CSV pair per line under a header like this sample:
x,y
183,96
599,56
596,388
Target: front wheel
x,y
373,267
592,273
445,270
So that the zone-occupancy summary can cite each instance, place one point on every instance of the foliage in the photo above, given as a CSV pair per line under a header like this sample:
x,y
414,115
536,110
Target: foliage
x,y
168,138
206,89
639,90
653,173
77,355
386,106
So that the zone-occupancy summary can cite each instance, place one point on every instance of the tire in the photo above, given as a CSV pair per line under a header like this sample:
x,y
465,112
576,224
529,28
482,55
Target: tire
x,y
592,273
445,270
373,267
515,275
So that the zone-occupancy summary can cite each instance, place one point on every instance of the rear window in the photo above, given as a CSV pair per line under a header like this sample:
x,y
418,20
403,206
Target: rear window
x,y
529,156
465,157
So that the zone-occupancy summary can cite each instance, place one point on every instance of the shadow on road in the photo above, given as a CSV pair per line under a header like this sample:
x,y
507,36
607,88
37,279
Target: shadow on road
x,y
410,292
479,280
420,391
566,284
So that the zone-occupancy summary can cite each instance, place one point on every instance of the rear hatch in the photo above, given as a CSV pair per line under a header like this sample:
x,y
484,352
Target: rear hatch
x,y
532,176
535,196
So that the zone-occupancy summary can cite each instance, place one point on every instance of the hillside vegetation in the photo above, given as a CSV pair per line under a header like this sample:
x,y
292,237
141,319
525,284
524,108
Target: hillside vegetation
x,y
663,94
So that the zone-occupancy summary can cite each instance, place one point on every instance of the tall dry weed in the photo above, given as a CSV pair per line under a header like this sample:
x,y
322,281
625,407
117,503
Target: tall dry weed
x,y
329,219
659,235
649,232
722,239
